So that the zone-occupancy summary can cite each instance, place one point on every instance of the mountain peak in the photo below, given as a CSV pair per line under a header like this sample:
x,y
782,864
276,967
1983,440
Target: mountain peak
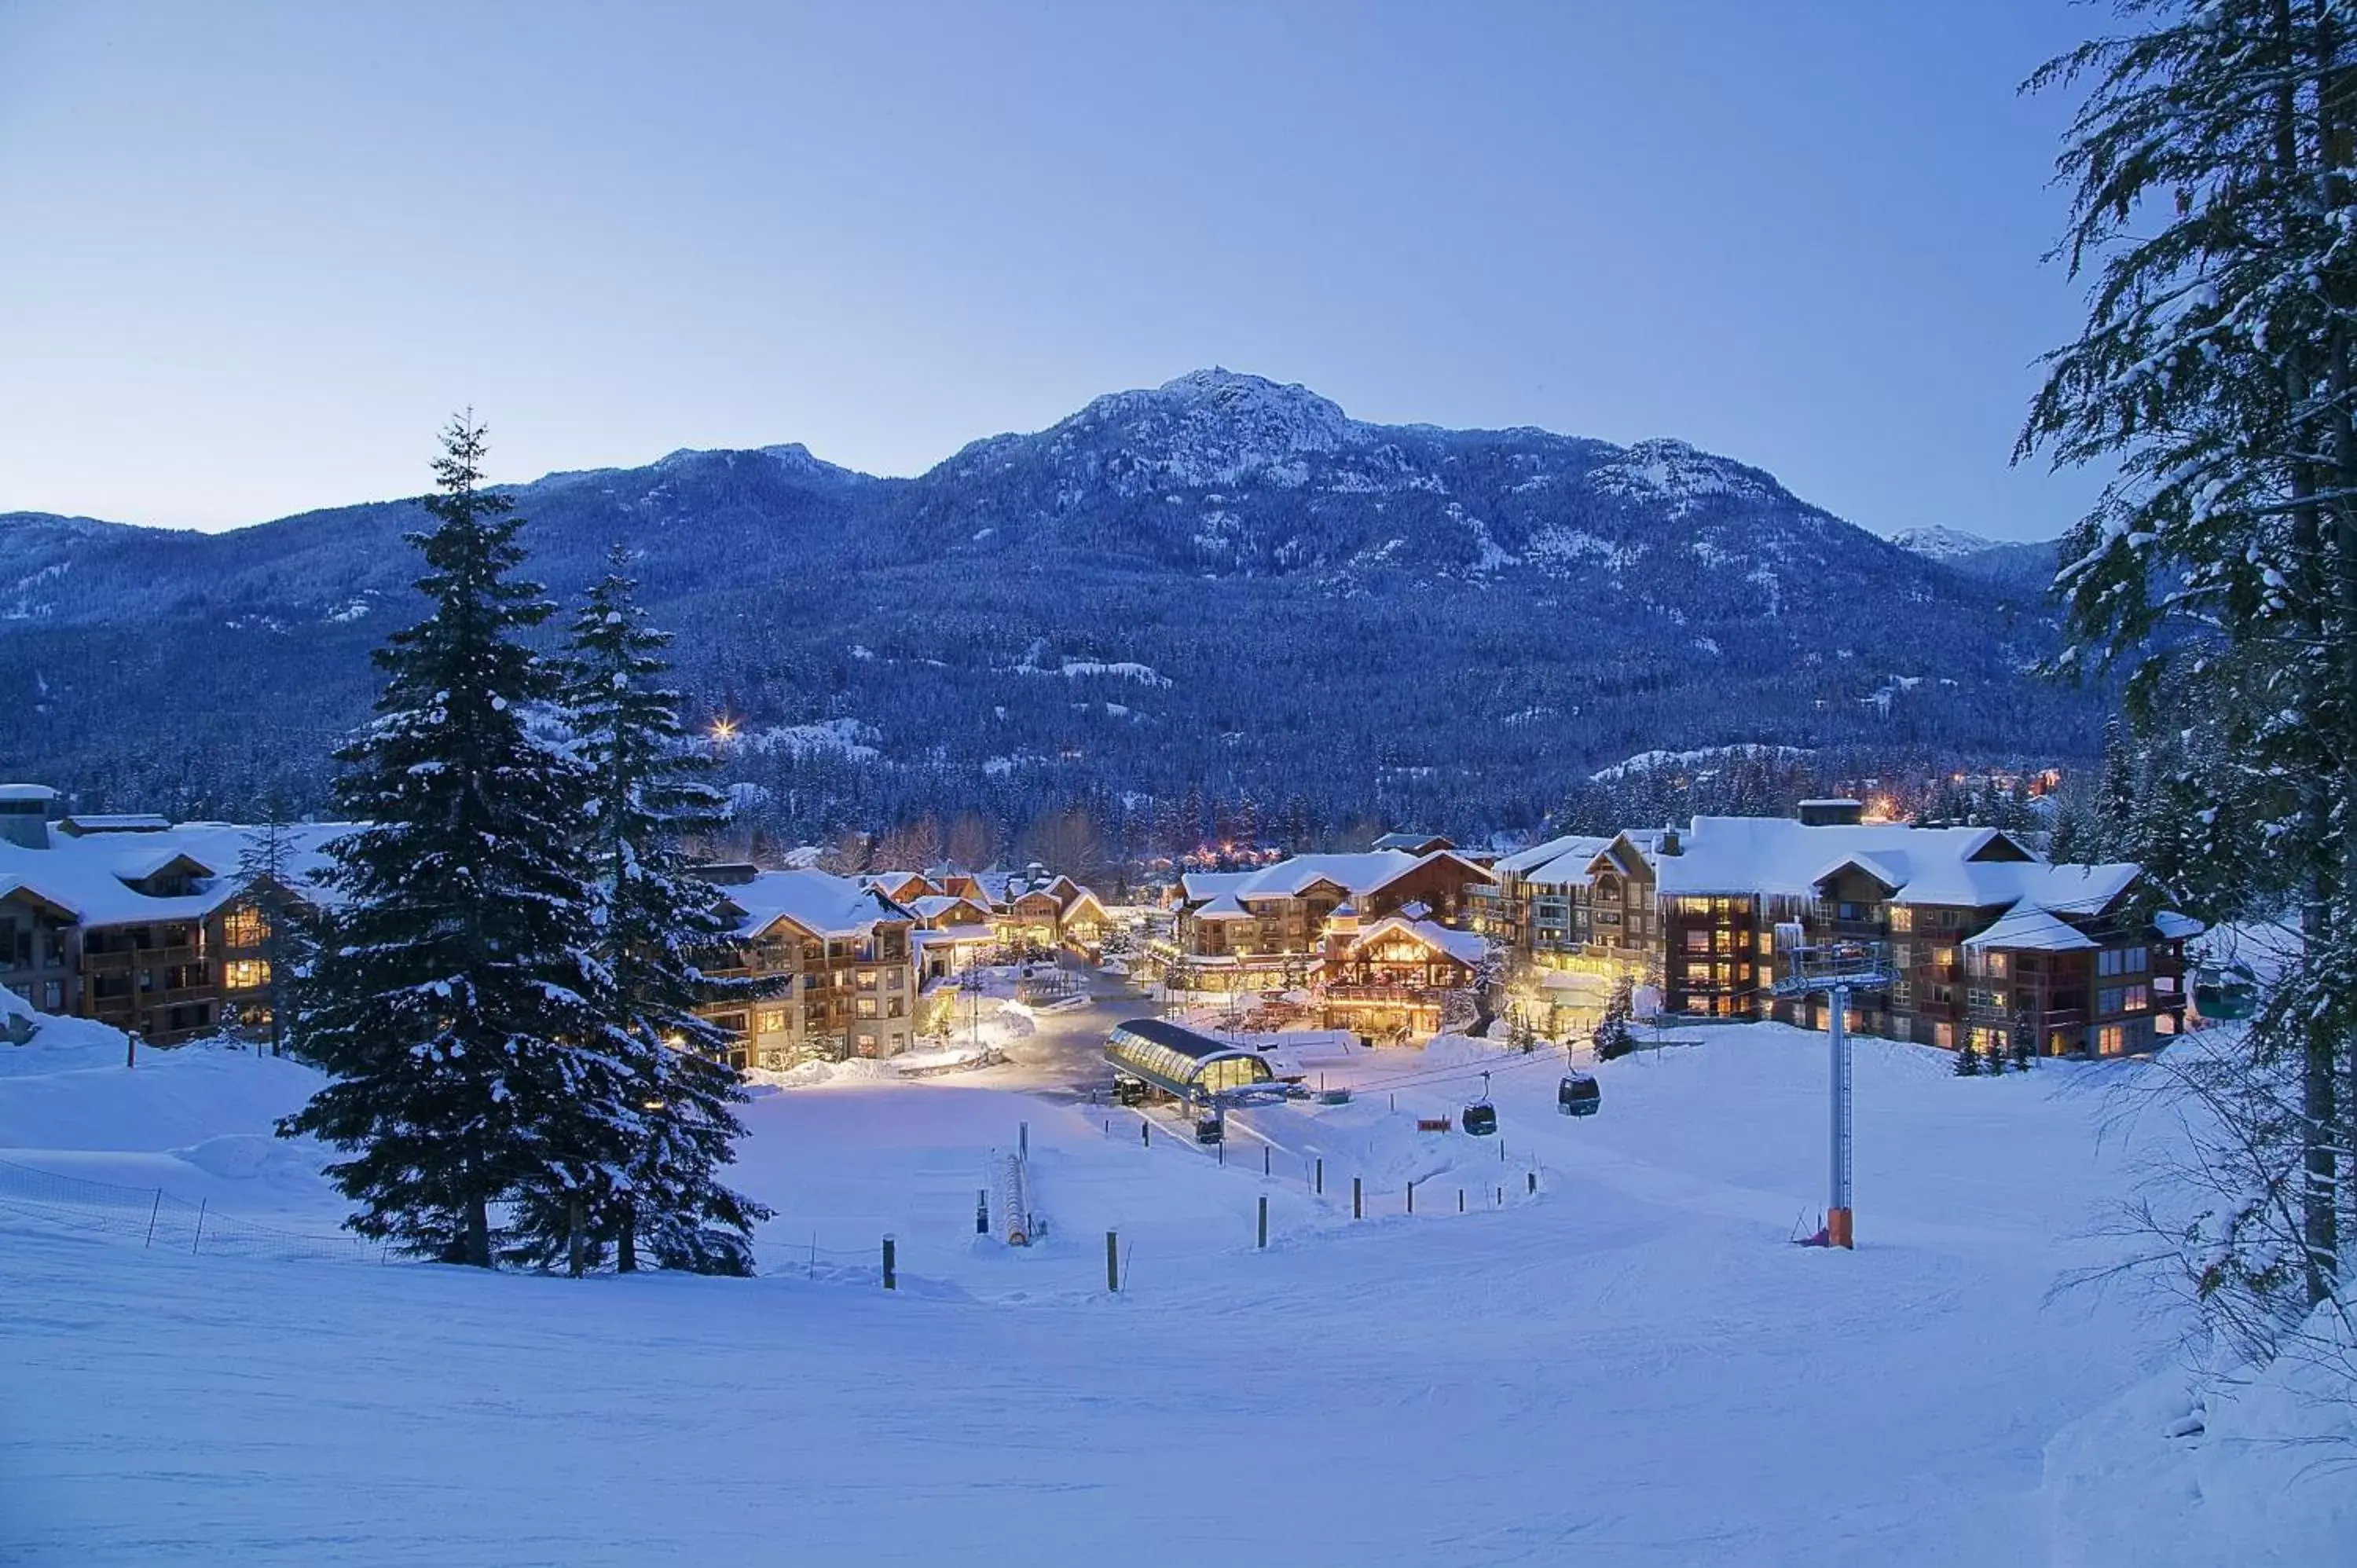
x,y
1678,476
1940,542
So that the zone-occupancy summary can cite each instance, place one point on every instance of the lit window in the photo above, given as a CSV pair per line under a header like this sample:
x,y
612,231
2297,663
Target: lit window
x,y
245,974
245,928
1902,919
772,1020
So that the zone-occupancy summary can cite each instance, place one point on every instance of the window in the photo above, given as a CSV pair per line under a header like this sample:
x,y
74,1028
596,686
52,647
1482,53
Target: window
x,y
53,996
2136,1000
245,974
2132,961
1944,1036
867,1007
772,1020
2111,1040
245,928
1902,919
1902,1027
2107,1000
1698,974
1697,940
1997,966
1903,993
1767,943
1903,955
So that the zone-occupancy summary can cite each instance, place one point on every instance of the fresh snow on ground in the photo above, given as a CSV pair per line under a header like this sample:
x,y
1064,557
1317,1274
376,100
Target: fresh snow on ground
x,y
1632,1366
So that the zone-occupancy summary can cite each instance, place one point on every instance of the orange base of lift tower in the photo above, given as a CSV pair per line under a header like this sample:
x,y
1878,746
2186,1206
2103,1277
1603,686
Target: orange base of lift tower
x,y
1837,1231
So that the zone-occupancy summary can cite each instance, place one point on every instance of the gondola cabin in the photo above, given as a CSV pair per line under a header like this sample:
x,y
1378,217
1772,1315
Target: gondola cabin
x,y
1168,1058
1578,1095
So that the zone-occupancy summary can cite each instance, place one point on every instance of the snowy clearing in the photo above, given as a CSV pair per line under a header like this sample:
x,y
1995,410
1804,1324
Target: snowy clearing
x,y
1632,1366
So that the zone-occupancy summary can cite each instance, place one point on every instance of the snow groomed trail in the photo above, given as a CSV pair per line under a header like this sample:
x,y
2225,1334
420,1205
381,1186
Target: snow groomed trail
x,y
1633,1366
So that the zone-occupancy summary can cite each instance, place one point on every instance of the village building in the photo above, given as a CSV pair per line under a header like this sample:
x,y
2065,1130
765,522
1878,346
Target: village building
x,y
1990,944
1398,978
135,921
838,956
954,934
1266,928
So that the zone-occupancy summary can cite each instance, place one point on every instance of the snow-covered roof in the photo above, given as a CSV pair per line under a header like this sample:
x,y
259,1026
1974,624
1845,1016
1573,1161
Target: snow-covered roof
x,y
1771,856
1570,861
91,878
1463,946
117,823
2169,923
14,792
1224,908
1356,875
13,1005
2031,928
933,906
816,902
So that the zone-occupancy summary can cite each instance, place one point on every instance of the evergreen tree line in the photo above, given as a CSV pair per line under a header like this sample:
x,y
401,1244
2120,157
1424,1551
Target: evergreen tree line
x,y
511,947
2213,169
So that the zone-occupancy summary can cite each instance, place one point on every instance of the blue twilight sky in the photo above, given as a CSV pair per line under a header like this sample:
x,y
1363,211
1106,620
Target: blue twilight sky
x,y
254,253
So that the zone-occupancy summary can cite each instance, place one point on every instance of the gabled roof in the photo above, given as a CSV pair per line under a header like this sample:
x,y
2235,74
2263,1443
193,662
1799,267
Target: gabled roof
x,y
1463,946
933,906
1224,908
813,902
1356,875
2029,928
90,879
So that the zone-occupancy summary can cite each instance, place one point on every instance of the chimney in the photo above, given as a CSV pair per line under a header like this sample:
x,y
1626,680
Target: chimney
x,y
1832,813
25,814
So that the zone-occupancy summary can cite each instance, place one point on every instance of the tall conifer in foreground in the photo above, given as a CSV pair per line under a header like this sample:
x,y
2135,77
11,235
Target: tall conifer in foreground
x,y
453,1002
658,925
2213,167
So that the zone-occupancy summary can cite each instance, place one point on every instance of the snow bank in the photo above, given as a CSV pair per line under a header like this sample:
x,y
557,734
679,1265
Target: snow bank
x,y
2259,1469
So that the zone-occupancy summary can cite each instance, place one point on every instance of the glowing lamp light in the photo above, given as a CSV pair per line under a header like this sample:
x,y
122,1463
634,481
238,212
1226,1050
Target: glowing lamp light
x,y
724,729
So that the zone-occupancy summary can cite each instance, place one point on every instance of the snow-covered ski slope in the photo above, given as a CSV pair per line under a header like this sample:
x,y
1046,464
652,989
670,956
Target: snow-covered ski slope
x,y
1633,1366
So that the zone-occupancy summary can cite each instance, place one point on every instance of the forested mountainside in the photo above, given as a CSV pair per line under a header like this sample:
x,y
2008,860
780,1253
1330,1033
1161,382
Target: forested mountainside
x,y
1218,589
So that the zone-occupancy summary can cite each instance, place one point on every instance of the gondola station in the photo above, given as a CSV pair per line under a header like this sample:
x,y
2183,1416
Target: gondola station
x,y
1153,1057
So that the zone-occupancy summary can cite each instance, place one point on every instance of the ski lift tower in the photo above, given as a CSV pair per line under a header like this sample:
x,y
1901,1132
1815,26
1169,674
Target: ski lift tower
x,y
1833,969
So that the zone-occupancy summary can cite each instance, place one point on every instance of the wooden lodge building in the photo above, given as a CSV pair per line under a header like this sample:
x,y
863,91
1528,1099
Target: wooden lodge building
x,y
1992,945
136,922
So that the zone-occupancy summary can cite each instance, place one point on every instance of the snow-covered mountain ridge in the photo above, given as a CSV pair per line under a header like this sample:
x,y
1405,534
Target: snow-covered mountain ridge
x,y
1329,606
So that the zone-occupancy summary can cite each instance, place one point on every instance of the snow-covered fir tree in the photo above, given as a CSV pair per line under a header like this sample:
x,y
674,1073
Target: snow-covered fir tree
x,y
2214,200
455,1001
1614,1036
659,925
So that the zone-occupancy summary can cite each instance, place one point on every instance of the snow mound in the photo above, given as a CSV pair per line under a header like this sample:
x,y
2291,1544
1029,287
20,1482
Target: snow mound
x,y
253,1156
